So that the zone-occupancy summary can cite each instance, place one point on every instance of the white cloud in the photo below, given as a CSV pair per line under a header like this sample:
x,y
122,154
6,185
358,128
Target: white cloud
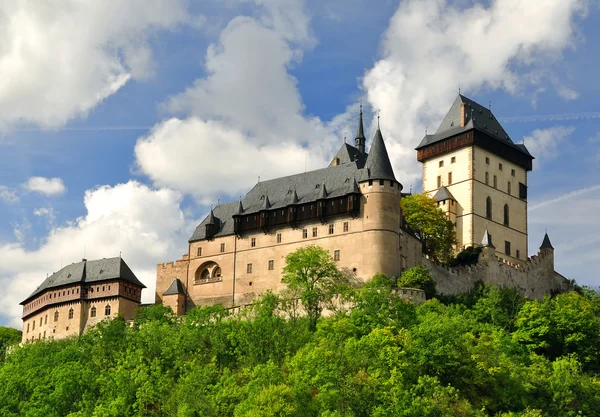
x,y
145,224
22,230
58,60
46,186
8,195
432,47
47,213
544,143
245,118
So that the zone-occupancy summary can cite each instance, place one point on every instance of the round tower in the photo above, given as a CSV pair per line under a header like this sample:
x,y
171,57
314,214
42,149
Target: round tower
x,y
380,212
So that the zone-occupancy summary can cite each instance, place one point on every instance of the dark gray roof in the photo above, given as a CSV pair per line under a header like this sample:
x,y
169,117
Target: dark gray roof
x,y
378,165
443,194
546,243
349,153
333,181
486,242
477,117
360,131
175,288
86,272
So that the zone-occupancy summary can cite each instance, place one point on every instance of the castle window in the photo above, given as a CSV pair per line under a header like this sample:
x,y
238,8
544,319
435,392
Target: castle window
x,y
70,313
345,226
487,178
512,172
271,265
382,182
107,310
278,237
216,273
495,182
487,160
507,248
304,233
522,191
103,288
253,242
249,268
508,188
441,163
449,178
93,312
336,255
439,181
205,274
44,334
200,250
506,220
453,159
518,254
488,208
33,325
41,321
391,184
331,229
314,232
500,166
56,316
370,182
27,327
222,247
46,319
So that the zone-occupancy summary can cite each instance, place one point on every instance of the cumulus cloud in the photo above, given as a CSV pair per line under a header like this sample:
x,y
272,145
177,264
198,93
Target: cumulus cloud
x,y
245,118
146,225
46,186
432,47
58,60
8,195
544,143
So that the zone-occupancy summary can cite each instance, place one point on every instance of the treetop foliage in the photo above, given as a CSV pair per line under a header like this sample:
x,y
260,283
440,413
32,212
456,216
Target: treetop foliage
x,y
487,353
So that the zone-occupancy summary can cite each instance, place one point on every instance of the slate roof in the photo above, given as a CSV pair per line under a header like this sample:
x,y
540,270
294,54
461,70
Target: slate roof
x,y
86,272
378,165
349,153
175,288
546,243
330,182
443,194
478,117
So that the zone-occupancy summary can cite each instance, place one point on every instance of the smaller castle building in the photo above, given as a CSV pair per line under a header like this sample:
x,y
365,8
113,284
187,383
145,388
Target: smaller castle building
x,y
79,296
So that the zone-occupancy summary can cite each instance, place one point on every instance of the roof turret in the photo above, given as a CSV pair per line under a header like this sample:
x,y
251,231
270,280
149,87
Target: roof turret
x,y
266,205
240,208
211,218
546,243
443,194
486,242
175,288
323,193
360,134
378,165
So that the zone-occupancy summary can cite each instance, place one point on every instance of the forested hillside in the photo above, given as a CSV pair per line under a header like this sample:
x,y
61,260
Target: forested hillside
x,y
489,353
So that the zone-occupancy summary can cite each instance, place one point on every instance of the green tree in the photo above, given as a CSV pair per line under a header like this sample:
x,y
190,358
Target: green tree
x,y
418,277
311,274
8,337
430,224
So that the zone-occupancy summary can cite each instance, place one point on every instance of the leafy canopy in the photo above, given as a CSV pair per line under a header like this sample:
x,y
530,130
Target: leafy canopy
x,y
430,224
418,277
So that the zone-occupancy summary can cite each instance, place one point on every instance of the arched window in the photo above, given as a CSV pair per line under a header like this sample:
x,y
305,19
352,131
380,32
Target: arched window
x,y
217,272
506,214
495,182
70,313
488,208
107,310
205,274
93,312
56,316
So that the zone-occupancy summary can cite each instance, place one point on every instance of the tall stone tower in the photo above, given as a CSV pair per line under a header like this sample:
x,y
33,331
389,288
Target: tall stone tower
x,y
479,177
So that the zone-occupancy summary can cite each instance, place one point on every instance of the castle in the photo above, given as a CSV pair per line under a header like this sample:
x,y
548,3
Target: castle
x,y
78,297
352,209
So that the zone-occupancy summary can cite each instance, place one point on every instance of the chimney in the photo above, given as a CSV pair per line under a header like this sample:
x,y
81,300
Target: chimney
x,y
463,115
336,162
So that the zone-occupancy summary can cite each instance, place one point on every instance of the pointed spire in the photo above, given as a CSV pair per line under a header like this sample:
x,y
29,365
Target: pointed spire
x,y
266,205
378,165
240,209
360,133
486,242
295,197
211,217
546,243
323,190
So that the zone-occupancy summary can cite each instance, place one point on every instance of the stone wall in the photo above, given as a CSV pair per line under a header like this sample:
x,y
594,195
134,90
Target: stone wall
x,y
534,278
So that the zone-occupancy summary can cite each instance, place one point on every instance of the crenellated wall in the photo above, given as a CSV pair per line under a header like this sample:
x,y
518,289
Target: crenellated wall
x,y
534,278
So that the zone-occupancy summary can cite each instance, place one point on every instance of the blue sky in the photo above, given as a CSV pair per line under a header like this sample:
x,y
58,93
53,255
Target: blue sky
x,y
121,122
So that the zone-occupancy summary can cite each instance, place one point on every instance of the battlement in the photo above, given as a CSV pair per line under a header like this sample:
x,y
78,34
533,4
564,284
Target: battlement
x,y
185,258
